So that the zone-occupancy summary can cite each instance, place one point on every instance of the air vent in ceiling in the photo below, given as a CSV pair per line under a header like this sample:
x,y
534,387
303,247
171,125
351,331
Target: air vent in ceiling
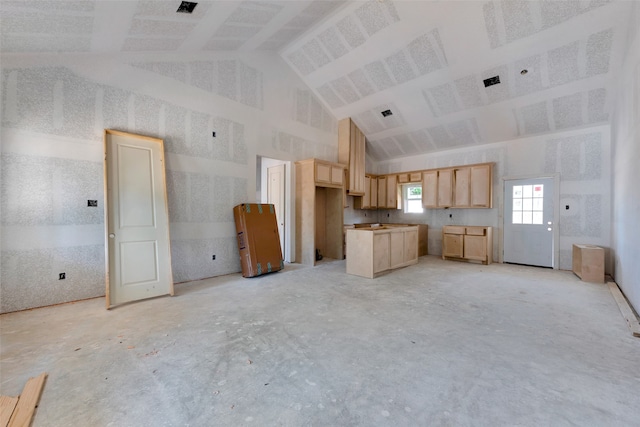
x,y
186,7
491,81
386,113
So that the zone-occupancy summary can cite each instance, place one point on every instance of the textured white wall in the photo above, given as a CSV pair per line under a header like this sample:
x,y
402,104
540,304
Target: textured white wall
x,y
55,108
626,169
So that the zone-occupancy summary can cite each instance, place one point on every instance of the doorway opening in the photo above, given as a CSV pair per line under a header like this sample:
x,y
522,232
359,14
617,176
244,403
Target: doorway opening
x,y
274,183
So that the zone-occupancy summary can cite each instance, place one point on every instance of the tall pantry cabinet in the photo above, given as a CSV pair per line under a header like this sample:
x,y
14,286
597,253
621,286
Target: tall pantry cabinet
x,y
319,210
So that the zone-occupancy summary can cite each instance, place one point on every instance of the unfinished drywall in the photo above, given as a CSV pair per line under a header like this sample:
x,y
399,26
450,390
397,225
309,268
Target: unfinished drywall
x,y
55,109
580,158
626,169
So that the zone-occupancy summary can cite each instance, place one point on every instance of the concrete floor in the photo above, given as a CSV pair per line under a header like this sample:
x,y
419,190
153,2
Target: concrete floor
x,y
439,343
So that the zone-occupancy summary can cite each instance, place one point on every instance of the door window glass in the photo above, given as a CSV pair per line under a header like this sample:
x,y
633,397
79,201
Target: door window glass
x,y
528,204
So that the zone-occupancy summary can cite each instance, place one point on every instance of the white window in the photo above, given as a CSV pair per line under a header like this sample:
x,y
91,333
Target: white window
x,y
527,204
412,198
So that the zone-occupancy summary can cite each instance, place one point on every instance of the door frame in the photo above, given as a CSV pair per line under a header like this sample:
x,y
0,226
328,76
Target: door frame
x,y
283,199
106,208
289,200
556,214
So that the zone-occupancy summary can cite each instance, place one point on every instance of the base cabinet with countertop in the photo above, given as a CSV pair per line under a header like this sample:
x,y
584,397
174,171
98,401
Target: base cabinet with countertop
x,y
467,243
372,251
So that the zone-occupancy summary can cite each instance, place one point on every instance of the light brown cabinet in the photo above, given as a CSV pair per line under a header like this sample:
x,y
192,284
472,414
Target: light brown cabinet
x,y
392,192
372,251
430,189
374,192
409,177
458,187
387,192
319,210
461,178
327,174
445,188
481,186
370,198
351,153
382,192
468,243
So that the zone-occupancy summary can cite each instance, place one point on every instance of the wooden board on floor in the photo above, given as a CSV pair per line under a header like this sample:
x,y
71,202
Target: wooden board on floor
x,y
7,405
627,312
27,402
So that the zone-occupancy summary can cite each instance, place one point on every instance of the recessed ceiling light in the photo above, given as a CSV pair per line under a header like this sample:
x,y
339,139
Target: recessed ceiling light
x,y
386,113
523,72
186,7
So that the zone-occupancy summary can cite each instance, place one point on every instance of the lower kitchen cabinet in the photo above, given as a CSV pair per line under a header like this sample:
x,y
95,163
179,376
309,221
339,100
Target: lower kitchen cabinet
x,y
472,243
372,251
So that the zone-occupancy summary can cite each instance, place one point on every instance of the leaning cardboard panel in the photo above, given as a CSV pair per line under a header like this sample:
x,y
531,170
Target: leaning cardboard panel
x,y
258,239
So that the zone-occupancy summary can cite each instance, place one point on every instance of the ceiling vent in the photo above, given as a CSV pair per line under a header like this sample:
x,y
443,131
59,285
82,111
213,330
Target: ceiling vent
x,y
491,81
186,7
386,113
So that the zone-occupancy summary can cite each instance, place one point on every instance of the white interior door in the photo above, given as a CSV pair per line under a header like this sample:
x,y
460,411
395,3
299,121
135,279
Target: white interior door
x,y
529,221
275,196
137,222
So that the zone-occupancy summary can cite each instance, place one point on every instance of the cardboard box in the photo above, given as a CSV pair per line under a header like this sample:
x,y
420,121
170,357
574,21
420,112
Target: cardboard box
x,y
588,263
258,239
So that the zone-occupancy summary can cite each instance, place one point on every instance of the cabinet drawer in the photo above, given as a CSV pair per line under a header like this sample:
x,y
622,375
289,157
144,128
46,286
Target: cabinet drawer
x,y
476,231
452,229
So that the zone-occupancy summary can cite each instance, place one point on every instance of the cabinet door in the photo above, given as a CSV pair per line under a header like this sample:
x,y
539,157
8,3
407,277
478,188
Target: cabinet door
x,y
396,248
323,173
475,247
410,245
382,191
366,198
452,245
374,192
337,175
392,192
445,188
415,177
381,260
403,178
481,186
461,193
360,162
430,189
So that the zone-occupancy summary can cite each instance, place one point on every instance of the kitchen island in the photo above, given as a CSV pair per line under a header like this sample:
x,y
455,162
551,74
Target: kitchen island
x,y
372,251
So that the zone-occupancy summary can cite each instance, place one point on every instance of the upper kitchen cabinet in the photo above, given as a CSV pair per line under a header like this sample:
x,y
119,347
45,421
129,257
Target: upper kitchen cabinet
x,y
351,153
481,186
458,187
327,174
430,189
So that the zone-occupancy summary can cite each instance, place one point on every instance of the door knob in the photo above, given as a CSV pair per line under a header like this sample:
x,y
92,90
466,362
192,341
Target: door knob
x,y
111,235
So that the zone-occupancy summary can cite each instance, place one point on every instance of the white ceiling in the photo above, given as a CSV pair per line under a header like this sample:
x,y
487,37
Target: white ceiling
x,y
424,60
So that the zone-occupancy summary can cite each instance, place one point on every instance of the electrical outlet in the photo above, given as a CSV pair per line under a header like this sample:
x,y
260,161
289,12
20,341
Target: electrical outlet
x,y
62,276
213,258
92,203
213,134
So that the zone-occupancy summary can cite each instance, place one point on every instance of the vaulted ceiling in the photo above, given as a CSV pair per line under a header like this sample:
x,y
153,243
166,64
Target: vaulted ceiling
x,y
426,61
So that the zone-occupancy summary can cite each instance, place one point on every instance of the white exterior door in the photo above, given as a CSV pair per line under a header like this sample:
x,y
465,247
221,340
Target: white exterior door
x,y
529,221
136,219
275,196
